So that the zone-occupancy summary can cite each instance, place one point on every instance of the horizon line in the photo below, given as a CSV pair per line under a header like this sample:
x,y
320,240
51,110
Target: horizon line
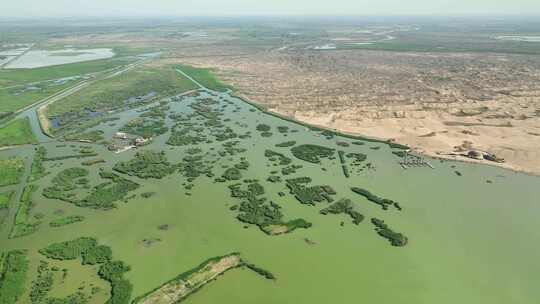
x,y
276,15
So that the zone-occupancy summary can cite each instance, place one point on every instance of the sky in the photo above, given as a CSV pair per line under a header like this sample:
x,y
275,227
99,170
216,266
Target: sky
x,y
127,8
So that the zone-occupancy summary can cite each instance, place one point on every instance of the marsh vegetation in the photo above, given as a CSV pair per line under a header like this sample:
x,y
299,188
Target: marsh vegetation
x,y
288,207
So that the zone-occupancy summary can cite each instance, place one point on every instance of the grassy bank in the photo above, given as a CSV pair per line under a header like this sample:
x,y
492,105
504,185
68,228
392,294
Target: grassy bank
x,y
318,128
128,89
17,132
205,77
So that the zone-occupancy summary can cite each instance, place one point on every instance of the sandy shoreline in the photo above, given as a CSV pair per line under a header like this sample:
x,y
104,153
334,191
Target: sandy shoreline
x,y
384,134
435,103
435,148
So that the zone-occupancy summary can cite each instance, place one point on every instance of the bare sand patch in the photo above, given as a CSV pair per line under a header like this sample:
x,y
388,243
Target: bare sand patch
x,y
489,100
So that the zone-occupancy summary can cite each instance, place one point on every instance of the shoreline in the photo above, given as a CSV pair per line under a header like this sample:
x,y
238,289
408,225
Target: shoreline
x,y
417,150
263,109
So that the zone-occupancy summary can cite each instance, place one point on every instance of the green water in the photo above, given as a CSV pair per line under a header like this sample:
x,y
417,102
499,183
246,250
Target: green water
x,y
469,241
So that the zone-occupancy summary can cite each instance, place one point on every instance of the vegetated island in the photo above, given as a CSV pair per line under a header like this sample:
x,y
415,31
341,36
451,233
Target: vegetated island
x,y
344,206
91,253
179,288
257,211
383,202
395,238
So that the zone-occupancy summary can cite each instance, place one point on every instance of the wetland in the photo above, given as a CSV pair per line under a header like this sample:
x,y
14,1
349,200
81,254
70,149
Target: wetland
x,y
216,175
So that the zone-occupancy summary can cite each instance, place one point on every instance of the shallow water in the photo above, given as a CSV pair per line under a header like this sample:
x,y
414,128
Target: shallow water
x,y
469,241
43,58
519,38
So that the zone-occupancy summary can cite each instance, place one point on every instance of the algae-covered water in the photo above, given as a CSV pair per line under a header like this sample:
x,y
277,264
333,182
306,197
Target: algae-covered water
x,y
469,240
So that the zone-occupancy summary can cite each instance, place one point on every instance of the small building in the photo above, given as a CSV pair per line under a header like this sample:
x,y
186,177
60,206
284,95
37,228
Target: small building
x,y
139,141
120,135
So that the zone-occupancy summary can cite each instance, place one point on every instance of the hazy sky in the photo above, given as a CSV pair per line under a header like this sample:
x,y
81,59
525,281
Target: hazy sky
x,y
56,8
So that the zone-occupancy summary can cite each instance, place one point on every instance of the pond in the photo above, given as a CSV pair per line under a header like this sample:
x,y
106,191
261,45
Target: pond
x,y
43,58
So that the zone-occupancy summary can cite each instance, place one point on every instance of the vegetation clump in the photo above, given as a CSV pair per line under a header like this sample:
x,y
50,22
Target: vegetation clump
x,y
90,136
86,153
232,174
146,128
146,164
263,272
263,128
286,144
5,198
42,284
356,157
309,195
12,170
344,206
65,180
328,134
275,156
22,224
121,288
147,194
394,145
312,153
69,250
283,129
64,183
13,272
93,254
183,137
104,195
242,165
66,220
274,179
399,153
37,171
345,171
193,166
395,238
290,169
267,216
93,162
383,202
66,187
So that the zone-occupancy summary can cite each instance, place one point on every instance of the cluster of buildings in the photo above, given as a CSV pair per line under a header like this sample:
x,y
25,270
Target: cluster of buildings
x,y
123,142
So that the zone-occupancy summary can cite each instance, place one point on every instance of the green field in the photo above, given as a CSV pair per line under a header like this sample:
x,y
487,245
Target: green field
x,y
17,132
11,171
14,99
206,77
